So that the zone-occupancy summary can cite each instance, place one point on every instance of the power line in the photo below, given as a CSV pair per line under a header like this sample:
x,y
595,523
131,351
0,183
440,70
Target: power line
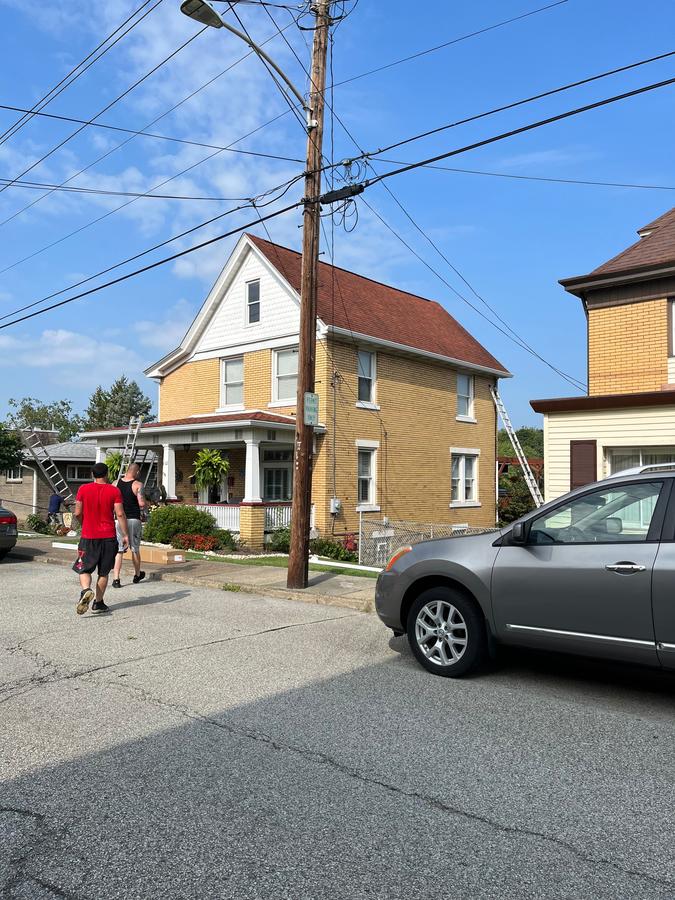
x,y
531,99
247,205
39,186
62,85
149,134
154,265
507,134
82,127
586,181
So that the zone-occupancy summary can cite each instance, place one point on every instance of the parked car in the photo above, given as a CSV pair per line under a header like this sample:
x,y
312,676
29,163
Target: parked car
x,y
590,573
8,531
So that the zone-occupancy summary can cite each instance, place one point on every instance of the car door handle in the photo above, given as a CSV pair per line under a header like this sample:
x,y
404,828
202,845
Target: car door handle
x,y
625,568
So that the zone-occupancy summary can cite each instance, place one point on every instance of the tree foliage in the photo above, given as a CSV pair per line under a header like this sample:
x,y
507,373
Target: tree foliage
x,y
517,500
10,449
114,463
531,440
210,468
112,408
29,412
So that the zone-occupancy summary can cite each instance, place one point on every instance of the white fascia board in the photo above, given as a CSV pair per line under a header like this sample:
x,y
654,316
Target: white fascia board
x,y
177,357
201,426
283,340
392,345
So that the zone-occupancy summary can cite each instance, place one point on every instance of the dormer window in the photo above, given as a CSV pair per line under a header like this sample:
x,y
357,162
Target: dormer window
x,y
252,302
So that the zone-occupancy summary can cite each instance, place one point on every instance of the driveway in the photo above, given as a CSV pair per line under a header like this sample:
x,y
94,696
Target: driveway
x,y
203,744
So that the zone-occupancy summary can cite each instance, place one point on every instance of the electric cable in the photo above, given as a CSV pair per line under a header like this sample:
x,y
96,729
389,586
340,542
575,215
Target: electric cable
x,y
39,186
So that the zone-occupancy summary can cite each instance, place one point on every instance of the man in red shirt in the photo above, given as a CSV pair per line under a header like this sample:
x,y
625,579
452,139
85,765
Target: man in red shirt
x,y
96,506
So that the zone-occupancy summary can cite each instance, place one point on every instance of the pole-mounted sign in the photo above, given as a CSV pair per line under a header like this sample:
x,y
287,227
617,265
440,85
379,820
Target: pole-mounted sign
x,y
311,409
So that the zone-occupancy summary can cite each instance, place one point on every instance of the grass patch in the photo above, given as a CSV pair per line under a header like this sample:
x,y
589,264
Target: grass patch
x,y
234,588
281,562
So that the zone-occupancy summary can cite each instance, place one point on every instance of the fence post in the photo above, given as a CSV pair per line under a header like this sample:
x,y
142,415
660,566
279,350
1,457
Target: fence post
x,y
431,532
360,534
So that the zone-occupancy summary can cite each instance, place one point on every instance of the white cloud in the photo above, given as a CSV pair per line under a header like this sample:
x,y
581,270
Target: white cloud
x,y
167,333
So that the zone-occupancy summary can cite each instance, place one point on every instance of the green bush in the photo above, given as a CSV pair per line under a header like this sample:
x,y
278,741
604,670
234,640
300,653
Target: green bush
x,y
280,542
332,550
36,524
225,540
167,521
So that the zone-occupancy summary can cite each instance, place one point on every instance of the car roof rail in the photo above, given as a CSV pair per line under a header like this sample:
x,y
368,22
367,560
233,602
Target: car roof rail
x,y
641,470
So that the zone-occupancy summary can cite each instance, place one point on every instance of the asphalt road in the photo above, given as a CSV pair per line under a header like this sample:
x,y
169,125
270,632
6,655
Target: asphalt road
x,y
202,744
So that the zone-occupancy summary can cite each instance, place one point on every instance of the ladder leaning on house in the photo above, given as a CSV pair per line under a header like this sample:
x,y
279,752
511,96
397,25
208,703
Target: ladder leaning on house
x,y
129,452
530,480
46,464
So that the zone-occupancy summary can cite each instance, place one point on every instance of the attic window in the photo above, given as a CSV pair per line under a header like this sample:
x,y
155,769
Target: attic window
x,y
253,302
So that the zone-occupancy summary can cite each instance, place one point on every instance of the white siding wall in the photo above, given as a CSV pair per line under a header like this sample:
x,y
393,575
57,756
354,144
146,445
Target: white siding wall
x,y
279,311
671,370
646,427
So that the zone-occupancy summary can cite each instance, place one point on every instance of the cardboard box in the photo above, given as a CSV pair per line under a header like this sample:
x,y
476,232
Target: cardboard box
x,y
161,556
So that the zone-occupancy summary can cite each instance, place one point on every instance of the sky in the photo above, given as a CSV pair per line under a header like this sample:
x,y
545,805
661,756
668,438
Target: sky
x,y
510,238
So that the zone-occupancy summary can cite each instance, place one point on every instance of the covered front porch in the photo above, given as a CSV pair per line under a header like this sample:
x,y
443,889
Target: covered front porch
x,y
254,498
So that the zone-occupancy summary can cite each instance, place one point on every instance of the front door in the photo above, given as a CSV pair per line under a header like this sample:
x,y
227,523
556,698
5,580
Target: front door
x,y
582,582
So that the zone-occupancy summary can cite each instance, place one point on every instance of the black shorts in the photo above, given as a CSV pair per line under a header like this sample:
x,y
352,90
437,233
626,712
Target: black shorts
x,y
95,553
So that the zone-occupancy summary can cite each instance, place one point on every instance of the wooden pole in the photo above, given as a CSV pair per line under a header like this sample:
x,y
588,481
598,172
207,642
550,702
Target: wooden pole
x,y
304,434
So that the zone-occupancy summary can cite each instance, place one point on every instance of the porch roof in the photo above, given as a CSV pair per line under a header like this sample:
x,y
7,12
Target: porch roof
x,y
241,419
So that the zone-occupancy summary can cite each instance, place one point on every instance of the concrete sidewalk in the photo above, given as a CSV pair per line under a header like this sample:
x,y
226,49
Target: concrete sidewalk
x,y
325,588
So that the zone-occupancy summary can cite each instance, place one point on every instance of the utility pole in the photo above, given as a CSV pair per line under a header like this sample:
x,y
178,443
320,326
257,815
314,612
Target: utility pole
x,y
304,434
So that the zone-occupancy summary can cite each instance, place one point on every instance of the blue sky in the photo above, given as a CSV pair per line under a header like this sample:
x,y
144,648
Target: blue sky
x,y
512,239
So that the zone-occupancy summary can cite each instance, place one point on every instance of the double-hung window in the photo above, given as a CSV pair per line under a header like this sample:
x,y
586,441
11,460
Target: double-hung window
x,y
78,473
252,302
366,375
14,474
233,382
465,388
464,477
366,478
285,375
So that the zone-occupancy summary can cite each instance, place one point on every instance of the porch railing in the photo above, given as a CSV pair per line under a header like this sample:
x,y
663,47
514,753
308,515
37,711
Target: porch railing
x,y
278,515
226,515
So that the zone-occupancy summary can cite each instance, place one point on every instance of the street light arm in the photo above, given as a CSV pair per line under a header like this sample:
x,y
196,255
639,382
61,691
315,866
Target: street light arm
x,y
261,53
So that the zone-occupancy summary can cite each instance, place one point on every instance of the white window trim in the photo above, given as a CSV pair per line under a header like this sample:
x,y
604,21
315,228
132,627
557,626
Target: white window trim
x,y
367,404
465,504
232,407
248,324
75,478
374,446
18,480
471,418
275,401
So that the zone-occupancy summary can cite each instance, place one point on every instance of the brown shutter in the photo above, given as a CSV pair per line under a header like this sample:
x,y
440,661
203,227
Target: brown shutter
x,y
583,463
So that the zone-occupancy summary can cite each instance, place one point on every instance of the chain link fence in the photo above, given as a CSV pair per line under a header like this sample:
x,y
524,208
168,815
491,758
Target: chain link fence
x,y
379,538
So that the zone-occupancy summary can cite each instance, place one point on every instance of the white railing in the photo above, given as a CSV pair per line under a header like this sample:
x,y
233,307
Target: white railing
x,y
279,516
226,516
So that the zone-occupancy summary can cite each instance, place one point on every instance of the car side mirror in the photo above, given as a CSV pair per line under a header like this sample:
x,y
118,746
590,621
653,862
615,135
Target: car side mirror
x,y
518,533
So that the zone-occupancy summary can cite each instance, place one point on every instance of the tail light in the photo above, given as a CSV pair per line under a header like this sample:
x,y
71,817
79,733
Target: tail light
x,y
395,558
8,520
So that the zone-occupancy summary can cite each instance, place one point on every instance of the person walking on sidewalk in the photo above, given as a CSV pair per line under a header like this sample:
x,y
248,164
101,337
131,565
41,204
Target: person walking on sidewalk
x,y
134,509
96,506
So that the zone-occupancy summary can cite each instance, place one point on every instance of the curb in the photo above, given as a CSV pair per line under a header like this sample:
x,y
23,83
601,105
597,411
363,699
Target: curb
x,y
364,606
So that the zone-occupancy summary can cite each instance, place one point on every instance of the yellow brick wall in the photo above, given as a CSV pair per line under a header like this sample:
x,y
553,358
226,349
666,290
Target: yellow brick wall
x,y
258,382
628,348
416,426
190,390
187,492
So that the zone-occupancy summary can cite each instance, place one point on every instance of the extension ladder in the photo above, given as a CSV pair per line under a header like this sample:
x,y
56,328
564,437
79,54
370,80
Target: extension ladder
x,y
129,452
530,480
45,463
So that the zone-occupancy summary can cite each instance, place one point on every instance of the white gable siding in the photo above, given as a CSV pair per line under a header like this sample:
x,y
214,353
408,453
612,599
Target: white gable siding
x,y
633,427
279,312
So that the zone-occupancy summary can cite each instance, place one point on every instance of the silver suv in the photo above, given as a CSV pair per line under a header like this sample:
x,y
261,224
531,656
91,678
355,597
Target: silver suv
x,y
592,573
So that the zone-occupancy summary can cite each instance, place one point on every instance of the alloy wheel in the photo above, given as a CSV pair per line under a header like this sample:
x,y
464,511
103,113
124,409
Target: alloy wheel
x,y
441,633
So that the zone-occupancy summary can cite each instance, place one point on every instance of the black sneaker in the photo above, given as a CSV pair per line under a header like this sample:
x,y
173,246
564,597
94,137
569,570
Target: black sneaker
x,y
99,607
86,596
117,583
139,577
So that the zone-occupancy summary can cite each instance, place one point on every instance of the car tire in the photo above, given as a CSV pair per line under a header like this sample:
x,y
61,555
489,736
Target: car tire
x,y
447,633
4,552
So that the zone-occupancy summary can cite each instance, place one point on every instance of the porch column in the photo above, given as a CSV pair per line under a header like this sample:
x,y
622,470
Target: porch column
x,y
101,454
169,470
252,473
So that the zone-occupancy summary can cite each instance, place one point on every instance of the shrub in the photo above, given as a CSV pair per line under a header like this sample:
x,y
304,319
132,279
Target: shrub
x,y
280,542
36,524
167,521
333,550
201,542
226,541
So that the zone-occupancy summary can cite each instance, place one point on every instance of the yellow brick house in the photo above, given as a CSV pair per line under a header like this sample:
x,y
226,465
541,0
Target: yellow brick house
x,y
407,424
628,417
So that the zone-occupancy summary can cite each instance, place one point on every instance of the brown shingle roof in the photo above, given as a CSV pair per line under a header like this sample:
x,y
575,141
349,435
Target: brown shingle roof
x,y
654,249
364,306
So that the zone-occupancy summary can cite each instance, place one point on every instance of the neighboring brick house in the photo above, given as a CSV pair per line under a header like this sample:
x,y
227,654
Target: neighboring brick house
x,y
628,417
408,426
24,488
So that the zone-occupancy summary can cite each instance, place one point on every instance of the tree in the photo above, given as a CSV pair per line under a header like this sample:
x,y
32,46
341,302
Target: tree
x,y
114,407
10,449
531,440
518,499
30,412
